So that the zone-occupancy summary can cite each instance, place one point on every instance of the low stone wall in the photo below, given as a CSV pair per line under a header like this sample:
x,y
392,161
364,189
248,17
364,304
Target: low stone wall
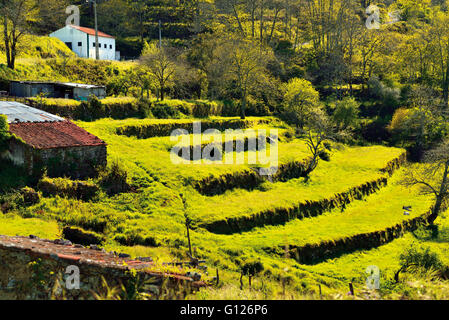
x,y
32,268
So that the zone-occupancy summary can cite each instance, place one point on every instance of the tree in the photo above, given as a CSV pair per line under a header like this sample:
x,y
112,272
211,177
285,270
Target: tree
x,y
251,269
242,63
160,66
421,125
17,17
143,80
346,113
300,100
52,15
318,131
432,177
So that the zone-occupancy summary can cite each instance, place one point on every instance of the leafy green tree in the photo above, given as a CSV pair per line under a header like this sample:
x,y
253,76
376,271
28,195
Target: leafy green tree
x,y
300,100
346,113
160,66
241,62
251,269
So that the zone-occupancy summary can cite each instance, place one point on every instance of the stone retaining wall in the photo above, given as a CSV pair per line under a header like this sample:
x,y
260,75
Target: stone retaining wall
x,y
31,268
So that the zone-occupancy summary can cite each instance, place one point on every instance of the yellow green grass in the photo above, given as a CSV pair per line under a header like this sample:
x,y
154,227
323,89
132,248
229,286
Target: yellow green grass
x,y
14,225
377,212
347,169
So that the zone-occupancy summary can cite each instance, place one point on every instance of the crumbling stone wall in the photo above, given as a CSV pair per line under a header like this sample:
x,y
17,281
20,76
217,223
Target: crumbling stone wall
x,y
32,268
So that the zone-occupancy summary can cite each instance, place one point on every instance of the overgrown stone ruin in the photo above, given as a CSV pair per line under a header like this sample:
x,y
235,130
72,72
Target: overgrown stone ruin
x,y
39,269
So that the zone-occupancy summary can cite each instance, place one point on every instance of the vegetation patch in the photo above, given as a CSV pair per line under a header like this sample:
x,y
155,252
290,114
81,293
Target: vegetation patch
x,y
83,190
159,129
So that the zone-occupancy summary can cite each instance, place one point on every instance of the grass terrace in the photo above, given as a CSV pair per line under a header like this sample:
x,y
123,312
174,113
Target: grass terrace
x,y
377,212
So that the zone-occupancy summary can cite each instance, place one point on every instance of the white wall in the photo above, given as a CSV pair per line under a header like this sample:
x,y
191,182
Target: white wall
x,y
105,53
87,47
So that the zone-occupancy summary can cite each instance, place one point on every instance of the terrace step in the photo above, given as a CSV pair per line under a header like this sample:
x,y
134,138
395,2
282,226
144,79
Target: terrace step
x,y
240,145
315,253
306,209
248,179
151,130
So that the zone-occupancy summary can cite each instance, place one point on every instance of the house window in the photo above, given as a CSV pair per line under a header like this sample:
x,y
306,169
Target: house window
x,y
105,46
80,44
93,44
110,46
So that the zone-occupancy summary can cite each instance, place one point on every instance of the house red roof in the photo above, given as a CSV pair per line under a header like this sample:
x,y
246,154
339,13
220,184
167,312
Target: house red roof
x,y
49,135
92,32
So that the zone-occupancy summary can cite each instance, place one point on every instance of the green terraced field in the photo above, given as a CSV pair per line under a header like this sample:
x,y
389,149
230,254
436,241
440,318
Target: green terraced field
x,y
344,198
377,212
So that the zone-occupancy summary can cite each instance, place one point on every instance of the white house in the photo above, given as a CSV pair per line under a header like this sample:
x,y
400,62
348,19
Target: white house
x,y
81,40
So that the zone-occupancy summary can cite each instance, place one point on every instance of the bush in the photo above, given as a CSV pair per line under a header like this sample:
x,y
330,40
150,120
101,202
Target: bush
x,y
252,268
11,201
30,196
163,111
205,109
116,108
5,135
300,99
79,236
389,96
83,190
415,258
346,113
114,179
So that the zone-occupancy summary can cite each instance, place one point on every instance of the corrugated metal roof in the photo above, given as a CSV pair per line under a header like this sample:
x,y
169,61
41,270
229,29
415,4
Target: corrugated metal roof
x,y
66,84
78,85
19,112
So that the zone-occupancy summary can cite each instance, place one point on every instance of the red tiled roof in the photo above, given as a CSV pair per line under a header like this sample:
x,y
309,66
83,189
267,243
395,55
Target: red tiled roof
x,y
49,135
92,32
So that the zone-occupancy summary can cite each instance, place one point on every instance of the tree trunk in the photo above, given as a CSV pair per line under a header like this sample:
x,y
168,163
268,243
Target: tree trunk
x,y
440,196
6,38
161,94
446,85
243,105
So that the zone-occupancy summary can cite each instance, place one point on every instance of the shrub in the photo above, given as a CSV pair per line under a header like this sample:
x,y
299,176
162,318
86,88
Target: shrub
x,y
5,135
30,196
163,111
83,190
252,268
11,201
300,98
324,155
79,236
389,96
346,113
114,179
420,258
204,109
